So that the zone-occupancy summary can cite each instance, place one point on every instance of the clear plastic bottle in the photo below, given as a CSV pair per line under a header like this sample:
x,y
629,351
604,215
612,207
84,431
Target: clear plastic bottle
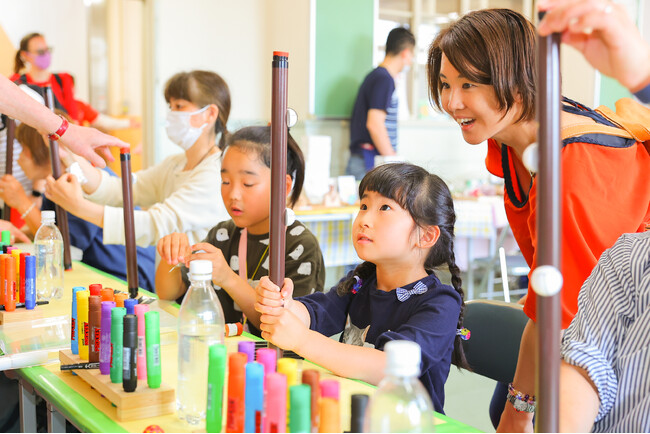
x,y
200,325
400,403
48,244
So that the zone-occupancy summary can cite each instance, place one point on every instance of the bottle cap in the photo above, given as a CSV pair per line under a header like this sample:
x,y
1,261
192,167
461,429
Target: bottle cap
x,y
330,389
129,304
402,358
200,269
48,217
267,357
248,348
95,288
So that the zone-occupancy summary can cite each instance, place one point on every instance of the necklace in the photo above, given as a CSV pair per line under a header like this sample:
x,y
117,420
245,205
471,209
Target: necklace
x,y
242,252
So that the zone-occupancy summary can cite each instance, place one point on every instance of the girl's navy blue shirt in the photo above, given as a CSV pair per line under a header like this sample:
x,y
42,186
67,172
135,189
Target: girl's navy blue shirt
x,y
373,317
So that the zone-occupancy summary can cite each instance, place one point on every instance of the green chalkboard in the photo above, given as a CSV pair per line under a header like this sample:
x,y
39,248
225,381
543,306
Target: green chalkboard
x,y
343,53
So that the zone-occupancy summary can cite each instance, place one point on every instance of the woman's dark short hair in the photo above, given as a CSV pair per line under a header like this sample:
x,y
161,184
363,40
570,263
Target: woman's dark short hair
x,y
490,46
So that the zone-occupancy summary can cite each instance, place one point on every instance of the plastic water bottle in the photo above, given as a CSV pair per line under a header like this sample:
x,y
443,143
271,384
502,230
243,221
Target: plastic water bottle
x,y
400,403
200,325
48,243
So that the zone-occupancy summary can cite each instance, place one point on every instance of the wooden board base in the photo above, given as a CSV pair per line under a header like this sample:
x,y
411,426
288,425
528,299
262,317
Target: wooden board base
x,y
21,314
142,403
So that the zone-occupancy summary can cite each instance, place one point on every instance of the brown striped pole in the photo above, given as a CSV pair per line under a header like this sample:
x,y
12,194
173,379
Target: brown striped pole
x,y
9,161
129,224
279,134
61,214
549,231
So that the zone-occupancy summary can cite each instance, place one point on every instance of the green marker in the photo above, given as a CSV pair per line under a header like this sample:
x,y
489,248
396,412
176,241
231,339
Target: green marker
x,y
6,238
152,338
117,335
300,408
216,380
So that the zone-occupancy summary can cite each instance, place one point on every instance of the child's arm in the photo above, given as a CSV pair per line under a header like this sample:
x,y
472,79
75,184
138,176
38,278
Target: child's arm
x,y
66,192
173,249
287,331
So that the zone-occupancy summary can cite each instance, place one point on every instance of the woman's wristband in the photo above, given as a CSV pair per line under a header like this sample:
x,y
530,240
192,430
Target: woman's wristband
x,y
29,209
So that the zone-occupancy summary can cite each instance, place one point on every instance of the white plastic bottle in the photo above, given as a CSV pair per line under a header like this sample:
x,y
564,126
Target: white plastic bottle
x,y
48,244
200,325
400,403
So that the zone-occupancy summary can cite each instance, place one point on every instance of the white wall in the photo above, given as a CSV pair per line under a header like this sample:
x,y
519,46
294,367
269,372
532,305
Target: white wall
x,y
19,18
235,39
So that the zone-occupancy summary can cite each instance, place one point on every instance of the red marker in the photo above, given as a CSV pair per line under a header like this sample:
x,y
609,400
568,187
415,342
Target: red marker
x,y
22,276
95,288
236,392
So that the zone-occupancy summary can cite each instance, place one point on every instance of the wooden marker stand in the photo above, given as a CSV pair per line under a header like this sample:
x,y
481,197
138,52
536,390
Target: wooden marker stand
x,y
61,214
142,403
9,161
279,135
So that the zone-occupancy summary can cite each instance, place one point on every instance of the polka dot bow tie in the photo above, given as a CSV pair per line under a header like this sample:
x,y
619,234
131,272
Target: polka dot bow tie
x,y
404,294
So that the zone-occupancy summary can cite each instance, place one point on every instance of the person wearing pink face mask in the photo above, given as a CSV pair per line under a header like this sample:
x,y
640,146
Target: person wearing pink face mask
x,y
31,67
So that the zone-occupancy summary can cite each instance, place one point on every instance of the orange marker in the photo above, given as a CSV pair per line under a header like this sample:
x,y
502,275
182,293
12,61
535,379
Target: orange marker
x,y
236,391
330,413
107,294
10,283
3,282
119,299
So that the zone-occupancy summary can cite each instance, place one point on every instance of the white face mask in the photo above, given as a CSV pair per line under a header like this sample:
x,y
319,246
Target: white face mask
x,y
180,131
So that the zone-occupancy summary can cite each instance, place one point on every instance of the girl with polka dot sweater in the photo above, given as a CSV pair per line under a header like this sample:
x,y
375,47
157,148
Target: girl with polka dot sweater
x,y
246,191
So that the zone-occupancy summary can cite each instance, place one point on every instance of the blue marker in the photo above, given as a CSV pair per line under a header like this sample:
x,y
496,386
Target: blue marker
x,y
129,304
254,397
30,282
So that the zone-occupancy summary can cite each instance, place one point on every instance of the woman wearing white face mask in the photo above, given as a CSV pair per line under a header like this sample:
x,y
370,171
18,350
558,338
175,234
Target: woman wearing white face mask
x,y
179,193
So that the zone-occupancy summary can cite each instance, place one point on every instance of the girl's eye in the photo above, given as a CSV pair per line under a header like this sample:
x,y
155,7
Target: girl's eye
x,y
444,85
249,185
224,182
467,85
363,207
385,207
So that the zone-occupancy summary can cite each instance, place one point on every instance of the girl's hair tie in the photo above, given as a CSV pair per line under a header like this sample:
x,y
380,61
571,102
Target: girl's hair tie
x,y
464,333
357,285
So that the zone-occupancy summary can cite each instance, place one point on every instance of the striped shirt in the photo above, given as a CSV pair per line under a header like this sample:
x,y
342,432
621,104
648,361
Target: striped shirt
x,y
609,335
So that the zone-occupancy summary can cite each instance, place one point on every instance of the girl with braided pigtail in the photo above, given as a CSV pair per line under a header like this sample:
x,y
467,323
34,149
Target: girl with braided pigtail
x,y
404,230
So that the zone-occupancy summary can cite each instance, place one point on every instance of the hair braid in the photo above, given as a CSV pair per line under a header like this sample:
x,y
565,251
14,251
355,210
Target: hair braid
x,y
364,271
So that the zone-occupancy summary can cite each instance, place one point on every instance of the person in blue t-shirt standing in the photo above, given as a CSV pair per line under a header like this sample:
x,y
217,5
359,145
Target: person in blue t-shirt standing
x,y
373,127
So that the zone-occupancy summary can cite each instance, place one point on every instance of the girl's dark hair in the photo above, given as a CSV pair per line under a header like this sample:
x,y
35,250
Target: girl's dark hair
x,y
490,46
24,46
203,88
428,200
258,140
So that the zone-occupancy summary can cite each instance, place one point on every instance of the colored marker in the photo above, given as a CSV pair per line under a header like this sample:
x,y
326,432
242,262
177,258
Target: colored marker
x,y
216,379
6,238
16,254
74,335
105,345
358,405
119,299
299,408
94,327
3,280
254,408
311,377
129,357
140,310
276,403
236,391
234,329
117,336
10,284
95,289
30,283
248,348
330,415
93,365
129,304
23,255
267,357
107,294
152,341
82,321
